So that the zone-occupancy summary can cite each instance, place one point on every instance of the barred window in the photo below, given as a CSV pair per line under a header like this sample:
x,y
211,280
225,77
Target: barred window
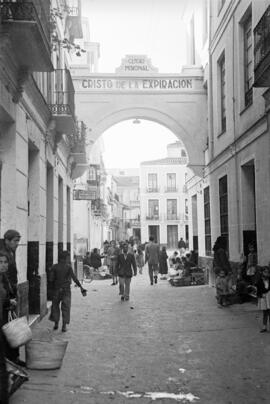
x,y
171,182
152,181
172,209
221,64
153,208
248,68
207,221
92,173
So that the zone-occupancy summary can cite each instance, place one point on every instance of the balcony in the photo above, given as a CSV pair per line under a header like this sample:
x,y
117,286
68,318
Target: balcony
x,y
135,222
73,9
28,26
61,102
262,51
152,217
77,142
170,217
152,190
134,203
171,189
94,175
99,208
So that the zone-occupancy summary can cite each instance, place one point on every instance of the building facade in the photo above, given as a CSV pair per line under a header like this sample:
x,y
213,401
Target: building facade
x,y
232,197
128,189
163,197
42,144
90,204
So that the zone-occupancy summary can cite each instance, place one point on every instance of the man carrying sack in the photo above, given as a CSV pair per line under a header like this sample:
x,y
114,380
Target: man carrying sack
x,y
60,277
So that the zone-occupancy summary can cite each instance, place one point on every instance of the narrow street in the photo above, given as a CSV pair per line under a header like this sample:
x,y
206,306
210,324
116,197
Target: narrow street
x,y
169,344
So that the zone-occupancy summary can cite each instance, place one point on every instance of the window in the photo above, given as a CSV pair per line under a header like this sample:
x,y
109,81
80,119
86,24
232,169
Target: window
x,y
207,221
153,209
152,182
171,182
223,207
92,174
221,64
248,76
171,209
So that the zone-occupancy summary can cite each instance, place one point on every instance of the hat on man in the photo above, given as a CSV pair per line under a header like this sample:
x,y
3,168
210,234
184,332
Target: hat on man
x,y
10,234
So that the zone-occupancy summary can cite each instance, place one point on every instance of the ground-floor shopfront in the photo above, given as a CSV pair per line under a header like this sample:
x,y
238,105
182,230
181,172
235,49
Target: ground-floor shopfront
x,y
36,192
232,199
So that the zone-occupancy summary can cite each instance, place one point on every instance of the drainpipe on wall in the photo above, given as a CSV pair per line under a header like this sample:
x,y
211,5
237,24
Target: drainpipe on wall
x,y
210,86
234,152
88,223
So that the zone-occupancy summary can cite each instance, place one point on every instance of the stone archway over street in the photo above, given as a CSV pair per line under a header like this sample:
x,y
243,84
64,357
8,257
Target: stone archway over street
x,y
137,90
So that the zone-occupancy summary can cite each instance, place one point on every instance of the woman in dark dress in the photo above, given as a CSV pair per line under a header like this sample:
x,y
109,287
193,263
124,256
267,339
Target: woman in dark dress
x,y
163,263
221,261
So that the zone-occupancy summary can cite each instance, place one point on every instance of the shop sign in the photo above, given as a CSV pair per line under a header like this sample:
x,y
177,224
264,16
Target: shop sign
x,y
84,195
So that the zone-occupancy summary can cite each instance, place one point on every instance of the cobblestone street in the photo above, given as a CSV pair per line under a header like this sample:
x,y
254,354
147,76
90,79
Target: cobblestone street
x,y
166,344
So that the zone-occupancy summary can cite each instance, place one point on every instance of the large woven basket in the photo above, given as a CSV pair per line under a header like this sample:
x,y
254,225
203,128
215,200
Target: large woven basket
x,y
44,355
17,332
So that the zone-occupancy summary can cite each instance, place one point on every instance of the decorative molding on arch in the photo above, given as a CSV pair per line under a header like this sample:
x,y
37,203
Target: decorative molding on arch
x,y
195,154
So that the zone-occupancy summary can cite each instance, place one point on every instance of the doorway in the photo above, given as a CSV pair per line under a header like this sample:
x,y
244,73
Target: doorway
x,y
248,205
154,232
172,236
195,223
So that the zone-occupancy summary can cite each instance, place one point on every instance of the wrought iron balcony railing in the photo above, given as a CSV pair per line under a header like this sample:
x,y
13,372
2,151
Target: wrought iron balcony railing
x,y
61,99
26,11
152,217
171,189
262,51
172,216
29,25
152,189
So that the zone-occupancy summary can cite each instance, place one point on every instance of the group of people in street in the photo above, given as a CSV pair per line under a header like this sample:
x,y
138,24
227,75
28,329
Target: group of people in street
x,y
125,259
251,280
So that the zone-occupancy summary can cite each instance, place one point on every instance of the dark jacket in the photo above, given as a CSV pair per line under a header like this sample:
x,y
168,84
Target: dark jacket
x,y
152,253
6,294
221,261
124,266
261,289
95,260
181,244
60,276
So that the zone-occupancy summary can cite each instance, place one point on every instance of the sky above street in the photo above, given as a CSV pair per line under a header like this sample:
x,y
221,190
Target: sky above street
x,y
148,27
151,27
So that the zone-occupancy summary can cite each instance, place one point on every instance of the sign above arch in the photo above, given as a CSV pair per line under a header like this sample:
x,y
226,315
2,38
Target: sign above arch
x,y
177,101
136,64
161,83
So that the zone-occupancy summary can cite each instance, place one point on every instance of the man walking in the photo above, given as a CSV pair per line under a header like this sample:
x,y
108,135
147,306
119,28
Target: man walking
x,y
60,275
126,268
152,257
